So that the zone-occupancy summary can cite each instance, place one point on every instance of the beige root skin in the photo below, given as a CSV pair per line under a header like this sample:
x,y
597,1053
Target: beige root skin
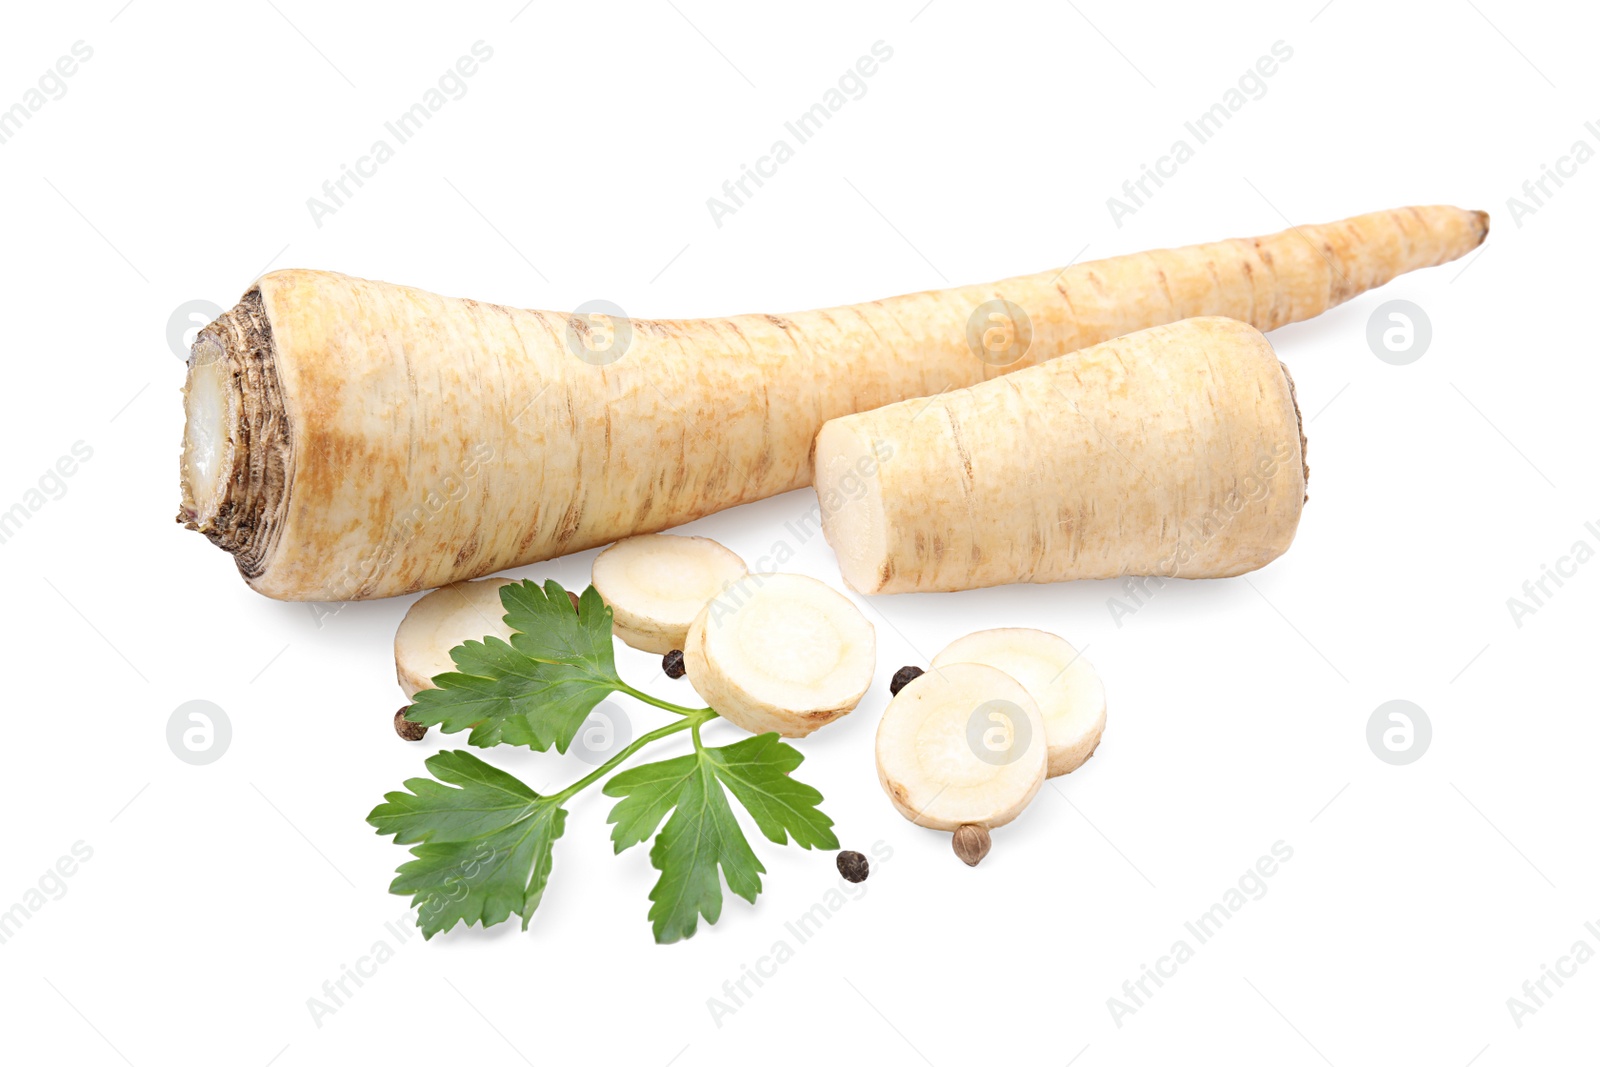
x,y
1175,451
391,440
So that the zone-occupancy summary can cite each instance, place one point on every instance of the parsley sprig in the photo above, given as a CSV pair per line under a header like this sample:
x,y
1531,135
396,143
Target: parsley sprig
x,y
484,841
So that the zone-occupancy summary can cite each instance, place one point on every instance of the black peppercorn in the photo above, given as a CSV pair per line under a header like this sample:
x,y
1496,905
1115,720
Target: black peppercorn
x,y
901,677
672,663
853,866
408,730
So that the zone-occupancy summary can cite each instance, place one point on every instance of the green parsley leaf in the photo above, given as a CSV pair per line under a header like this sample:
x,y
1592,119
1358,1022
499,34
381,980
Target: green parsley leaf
x,y
702,839
649,792
486,841
757,770
537,690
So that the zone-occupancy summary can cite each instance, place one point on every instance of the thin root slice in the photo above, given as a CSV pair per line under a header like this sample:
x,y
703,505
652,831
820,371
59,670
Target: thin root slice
x,y
465,611
656,585
782,653
1069,692
963,744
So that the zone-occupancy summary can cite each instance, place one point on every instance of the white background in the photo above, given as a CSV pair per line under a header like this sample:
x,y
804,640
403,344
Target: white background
x,y
219,898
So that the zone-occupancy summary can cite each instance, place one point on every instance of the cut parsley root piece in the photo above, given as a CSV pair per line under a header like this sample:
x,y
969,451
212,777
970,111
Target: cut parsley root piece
x,y
1176,451
483,843
535,688
439,622
1070,695
780,652
962,745
656,584
702,837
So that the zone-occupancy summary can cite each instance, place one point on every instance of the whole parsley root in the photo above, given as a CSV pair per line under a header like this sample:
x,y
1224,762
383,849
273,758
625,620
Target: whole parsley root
x,y
484,841
348,439
1175,451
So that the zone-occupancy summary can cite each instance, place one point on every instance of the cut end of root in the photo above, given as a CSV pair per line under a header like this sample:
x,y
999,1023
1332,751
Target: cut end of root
x,y
1483,224
846,476
210,413
971,842
236,440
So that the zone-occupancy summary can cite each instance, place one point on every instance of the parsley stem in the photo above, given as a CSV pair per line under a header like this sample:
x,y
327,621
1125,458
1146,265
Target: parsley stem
x,y
692,720
676,709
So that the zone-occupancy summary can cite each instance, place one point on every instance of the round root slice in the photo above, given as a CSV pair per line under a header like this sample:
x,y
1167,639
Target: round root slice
x,y
782,653
465,611
656,584
1064,685
962,745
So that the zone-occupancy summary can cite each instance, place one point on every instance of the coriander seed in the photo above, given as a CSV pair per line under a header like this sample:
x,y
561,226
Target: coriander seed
x,y
408,730
971,842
